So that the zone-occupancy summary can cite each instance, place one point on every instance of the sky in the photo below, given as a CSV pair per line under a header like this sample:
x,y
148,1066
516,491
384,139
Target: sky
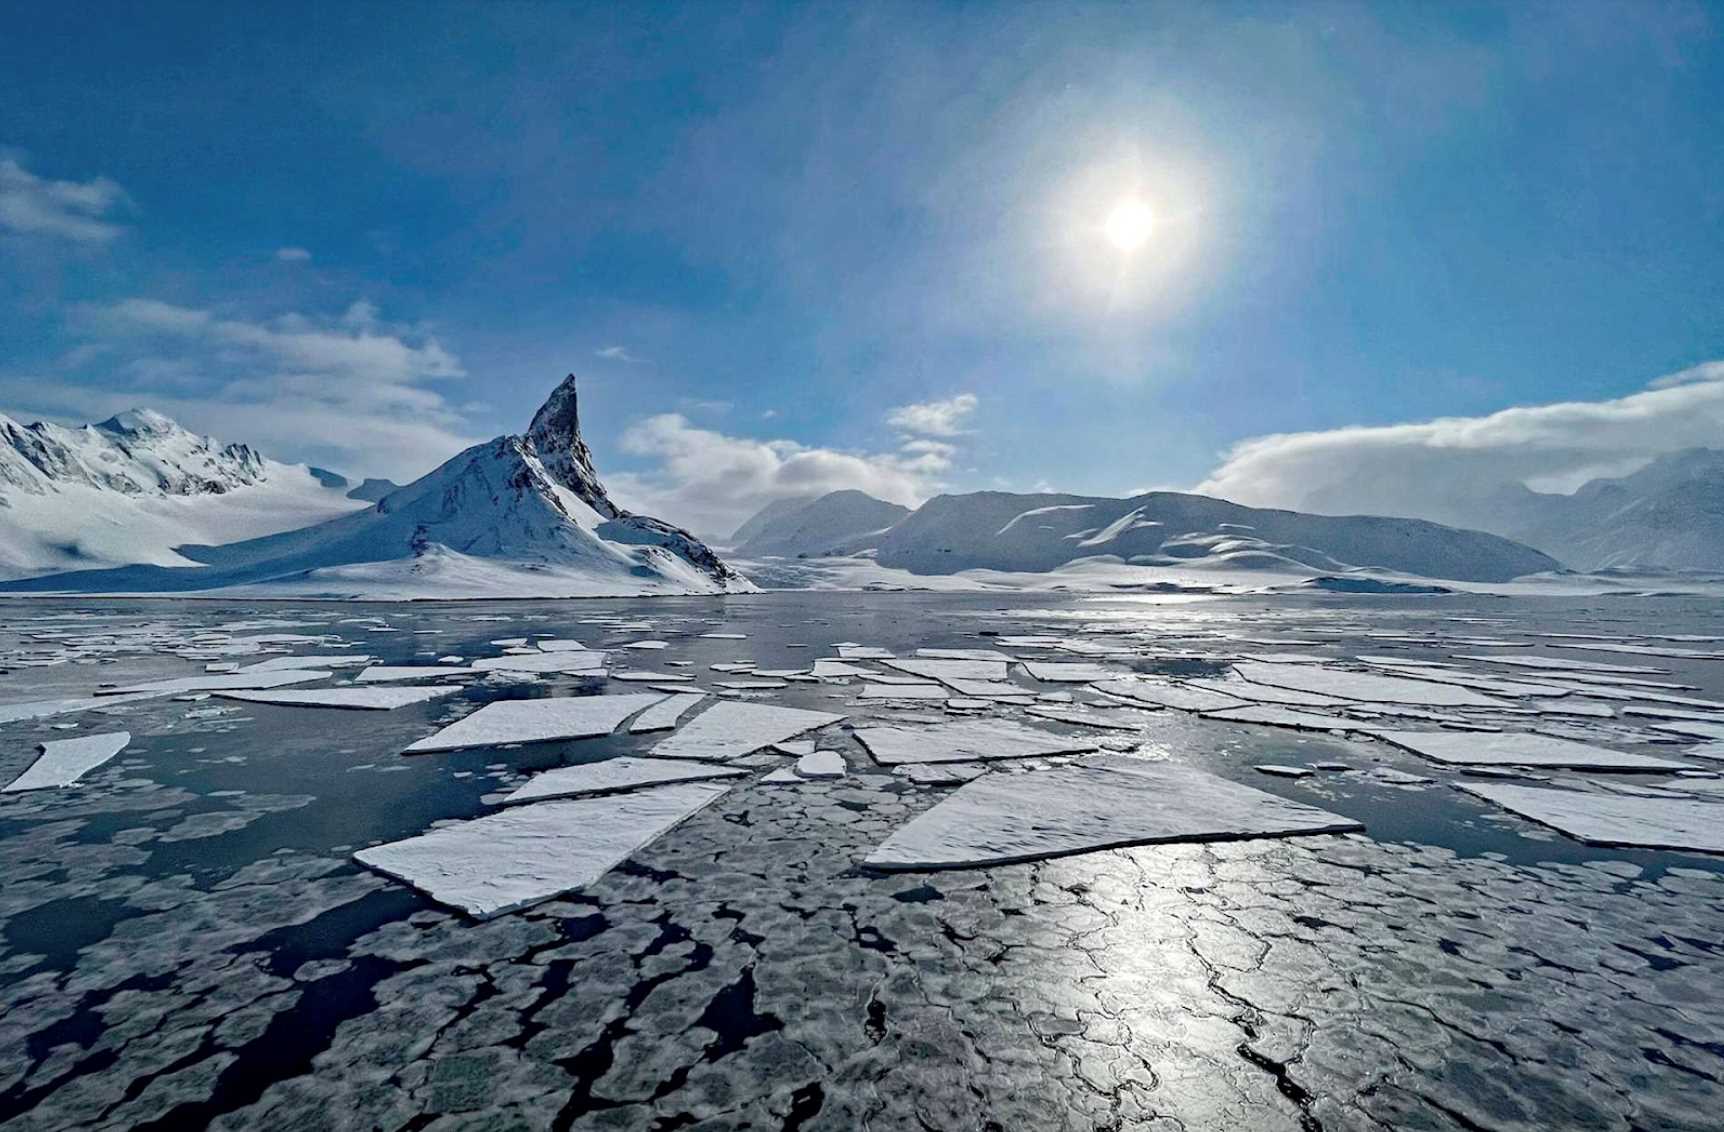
x,y
795,248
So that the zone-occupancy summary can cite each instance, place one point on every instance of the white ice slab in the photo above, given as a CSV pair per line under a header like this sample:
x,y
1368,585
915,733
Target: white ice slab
x,y
1165,693
965,741
45,709
1105,802
665,714
964,654
560,645
635,676
387,673
1276,770
940,774
304,663
1693,728
1365,686
821,764
828,669
574,662
728,729
218,683
1270,715
536,721
364,699
1240,689
1563,664
526,854
614,776
64,761
1613,819
905,692
1071,672
1106,720
862,652
947,671
1521,748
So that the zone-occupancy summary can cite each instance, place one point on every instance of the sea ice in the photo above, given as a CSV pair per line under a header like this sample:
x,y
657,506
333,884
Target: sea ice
x,y
1104,802
1613,819
613,776
1107,721
64,761
1364,686
946,671
575,662
1278,771
384,673
526,854
1071,672
1521,748
905,692
1163,693
821,764
729,729
1268,715
536,721
372,699
217,683
965,741
664,715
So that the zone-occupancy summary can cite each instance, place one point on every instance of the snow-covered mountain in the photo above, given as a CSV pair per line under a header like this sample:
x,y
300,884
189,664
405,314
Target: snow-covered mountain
x,y
1038,533
838,523
1668,515
135,486
521,516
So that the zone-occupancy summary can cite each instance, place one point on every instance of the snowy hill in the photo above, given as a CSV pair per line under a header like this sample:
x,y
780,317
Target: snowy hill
x,y
521,516
1041,533
841,522
137,485
1669,515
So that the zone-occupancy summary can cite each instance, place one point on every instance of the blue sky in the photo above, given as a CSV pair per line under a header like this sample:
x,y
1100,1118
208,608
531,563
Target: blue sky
x,y
793,247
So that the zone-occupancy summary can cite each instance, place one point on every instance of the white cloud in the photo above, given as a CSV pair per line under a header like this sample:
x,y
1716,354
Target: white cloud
x,y
934,418
712,482
72,210
617,354
293,255
349,391
1443,468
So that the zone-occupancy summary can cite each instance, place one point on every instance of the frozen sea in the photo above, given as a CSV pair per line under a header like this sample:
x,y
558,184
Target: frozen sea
x,y
187,942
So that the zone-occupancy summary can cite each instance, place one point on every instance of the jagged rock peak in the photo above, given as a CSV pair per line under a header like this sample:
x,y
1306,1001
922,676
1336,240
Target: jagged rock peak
x,y
555,437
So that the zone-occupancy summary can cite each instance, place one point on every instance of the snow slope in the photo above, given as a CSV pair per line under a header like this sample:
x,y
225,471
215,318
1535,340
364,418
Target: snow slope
x,y
518,516
1667,516
138,485
838,523
1041,533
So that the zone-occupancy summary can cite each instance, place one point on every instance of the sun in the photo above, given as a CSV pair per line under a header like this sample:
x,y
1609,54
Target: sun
x,y
1129,226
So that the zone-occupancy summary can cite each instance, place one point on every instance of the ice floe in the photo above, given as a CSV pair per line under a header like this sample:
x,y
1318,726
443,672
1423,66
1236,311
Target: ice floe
x,y
1099,803
387,673
965,741
727,729
1521,748
1366,686
613,776
536,721
665,714
365,699
821,764
64,761
526,854
1165,693
1613,819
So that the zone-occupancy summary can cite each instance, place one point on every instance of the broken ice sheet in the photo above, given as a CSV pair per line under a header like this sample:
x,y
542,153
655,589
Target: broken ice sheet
x,y
665,714
1613,819
1165,693
1073,672
571,662
1083,717
1268,715
728,729
613,776
946,671
1103,802
387,673
369,699
1521,748
821,764
905,692
965,741
526,854
1365,686
218,683
64,761
536,721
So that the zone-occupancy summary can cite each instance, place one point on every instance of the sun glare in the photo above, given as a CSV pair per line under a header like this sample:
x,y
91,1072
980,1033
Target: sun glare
x,y
1129,226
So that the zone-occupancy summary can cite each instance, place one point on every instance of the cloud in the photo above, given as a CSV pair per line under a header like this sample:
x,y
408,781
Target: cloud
x,y
293,255
934,418
617,354
712,482
351,391
1447,469
72,210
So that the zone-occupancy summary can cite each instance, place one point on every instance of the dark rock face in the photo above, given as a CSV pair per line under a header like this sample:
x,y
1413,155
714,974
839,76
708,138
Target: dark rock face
x,y
555,436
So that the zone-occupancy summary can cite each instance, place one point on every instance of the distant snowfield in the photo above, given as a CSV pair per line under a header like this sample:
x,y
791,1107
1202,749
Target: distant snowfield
x,y
1195,577
79,527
